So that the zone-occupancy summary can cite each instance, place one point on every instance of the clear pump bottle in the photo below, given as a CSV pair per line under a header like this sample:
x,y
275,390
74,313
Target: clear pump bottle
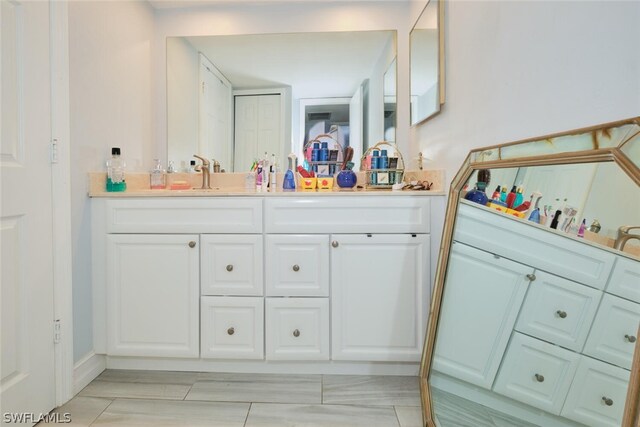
x,y
157,177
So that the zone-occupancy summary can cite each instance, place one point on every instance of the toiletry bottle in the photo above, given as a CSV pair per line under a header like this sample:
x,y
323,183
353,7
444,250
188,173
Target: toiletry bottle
x,y
519,198
535,216
556,219
511,197
192,166
115,172
583,226
259,176
477,194
289,181
272,173
496,194
503,195
170,167
375,164
157,177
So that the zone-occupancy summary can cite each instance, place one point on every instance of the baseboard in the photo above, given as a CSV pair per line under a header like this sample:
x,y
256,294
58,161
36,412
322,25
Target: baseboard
x,y
87,369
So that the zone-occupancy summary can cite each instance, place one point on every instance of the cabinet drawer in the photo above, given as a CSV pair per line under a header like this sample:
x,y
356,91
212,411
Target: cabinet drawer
x,y
232,327
184,215
542,249
231,265
597,395
297,265
536,373
366,214
614,332
297,328
559,311
625,279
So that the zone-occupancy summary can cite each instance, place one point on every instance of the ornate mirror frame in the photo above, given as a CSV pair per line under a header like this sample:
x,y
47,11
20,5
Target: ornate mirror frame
x,y
508,156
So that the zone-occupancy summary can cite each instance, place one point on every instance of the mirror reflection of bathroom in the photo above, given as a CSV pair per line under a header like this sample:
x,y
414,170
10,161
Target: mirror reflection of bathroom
x,y
583,199
272,92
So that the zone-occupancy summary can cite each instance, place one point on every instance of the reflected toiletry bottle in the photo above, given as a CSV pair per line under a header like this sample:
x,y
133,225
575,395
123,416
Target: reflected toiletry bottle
x,y
157,177
519,198
583,226
511,198
375,164
496,194
478,195
535,216
170,167
503,195
115,172
192,166
556,219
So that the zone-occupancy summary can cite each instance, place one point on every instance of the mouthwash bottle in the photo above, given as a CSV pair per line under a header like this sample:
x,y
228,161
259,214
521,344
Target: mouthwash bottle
x,y
115,172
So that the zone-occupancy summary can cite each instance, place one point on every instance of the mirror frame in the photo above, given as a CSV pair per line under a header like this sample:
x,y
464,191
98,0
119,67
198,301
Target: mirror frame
x,y
631,416
441,56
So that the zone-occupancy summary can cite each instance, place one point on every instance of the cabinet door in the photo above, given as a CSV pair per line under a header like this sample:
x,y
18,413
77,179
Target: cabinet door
x,y
232,327
536,373
379,291
231,264
297,328
597,395
559,311
614,332
297,265
152,295
480,304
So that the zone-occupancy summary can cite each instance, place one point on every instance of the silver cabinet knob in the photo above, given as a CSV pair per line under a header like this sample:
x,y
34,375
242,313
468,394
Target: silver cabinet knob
x,y
296,267
561,314
531,277
539,378
335,244
296,333
607,401
229,267
231,330
192,244
630,338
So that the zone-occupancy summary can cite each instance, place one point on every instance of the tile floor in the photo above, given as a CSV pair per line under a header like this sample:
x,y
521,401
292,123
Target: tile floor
x,y
153,398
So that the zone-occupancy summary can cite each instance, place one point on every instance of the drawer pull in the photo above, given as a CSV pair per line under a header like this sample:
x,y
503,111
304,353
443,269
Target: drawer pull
x,y
192,244
539,378
335,244
531,277
229,267
296,333
630,338
607,401
561,314
231,330
296,267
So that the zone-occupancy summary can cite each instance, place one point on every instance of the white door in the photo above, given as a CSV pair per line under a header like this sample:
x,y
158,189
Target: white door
x,y
258,130
379,285
215,114
355,125
26,292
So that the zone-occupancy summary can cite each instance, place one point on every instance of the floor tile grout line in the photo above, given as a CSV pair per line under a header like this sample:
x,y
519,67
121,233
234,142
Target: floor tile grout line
x,y
322,389
247,417
395,411
101,412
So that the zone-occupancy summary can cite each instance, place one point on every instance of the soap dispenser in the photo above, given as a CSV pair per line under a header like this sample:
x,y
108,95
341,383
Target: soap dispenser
x,y
289,181
115,172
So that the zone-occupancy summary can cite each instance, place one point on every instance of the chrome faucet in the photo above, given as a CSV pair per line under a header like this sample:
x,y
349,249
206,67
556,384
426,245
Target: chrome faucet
x,y
204,168
624,236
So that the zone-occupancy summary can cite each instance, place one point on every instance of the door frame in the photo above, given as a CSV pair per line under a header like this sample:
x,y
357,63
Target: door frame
x,y
61,199
304,102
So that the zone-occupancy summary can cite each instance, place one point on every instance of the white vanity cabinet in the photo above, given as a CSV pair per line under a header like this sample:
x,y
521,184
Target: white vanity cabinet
x,y
152,295
479,309
237,283
378,296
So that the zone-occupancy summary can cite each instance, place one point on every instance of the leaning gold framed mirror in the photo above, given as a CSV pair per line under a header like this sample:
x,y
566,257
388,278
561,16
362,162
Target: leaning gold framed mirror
x,y
535,312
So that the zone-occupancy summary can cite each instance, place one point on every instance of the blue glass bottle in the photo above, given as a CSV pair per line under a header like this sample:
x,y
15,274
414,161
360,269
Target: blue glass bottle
x,y
478,195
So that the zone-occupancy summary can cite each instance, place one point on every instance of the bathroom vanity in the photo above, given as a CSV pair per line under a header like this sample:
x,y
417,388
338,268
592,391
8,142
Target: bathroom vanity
x,y
335,282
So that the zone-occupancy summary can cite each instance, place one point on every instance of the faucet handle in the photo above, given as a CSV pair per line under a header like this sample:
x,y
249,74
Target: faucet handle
x,y
205,161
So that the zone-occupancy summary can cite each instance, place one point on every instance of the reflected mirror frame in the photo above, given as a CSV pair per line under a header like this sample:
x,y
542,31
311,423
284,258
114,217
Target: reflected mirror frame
x,y
441,67
631,416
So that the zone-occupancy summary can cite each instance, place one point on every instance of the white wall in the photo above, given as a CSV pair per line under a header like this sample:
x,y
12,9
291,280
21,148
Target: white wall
x,y
519,69
110,50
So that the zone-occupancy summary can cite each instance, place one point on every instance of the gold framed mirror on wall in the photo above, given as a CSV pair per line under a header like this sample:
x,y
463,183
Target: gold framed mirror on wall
x,y
535,313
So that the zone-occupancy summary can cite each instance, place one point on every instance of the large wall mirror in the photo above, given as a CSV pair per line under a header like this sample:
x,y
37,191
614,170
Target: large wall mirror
x,y
535,312
233,98
427,63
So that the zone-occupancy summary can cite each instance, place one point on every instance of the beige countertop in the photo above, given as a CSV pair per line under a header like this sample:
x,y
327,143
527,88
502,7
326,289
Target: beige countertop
x,y
232,185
